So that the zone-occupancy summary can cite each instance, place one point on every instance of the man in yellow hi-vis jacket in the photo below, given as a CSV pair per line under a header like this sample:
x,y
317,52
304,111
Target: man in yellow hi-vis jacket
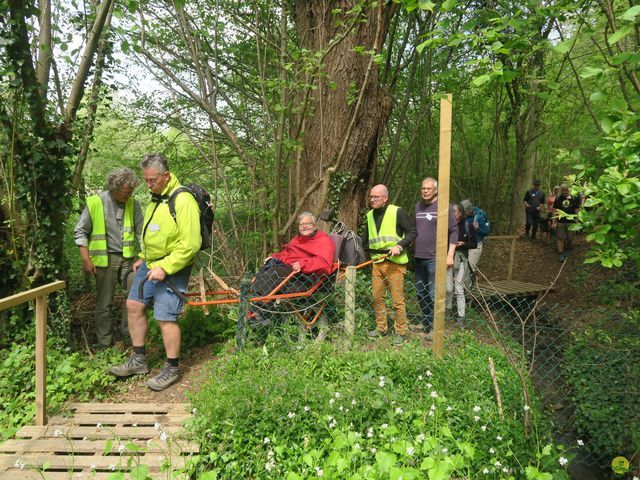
x,y
106,235
169,246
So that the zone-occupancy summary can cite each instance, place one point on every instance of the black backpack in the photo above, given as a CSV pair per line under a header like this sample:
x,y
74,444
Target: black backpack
x,y
204,204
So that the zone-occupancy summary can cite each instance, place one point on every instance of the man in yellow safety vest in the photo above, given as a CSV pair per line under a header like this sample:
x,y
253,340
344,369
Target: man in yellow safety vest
x,y
389,232
106,237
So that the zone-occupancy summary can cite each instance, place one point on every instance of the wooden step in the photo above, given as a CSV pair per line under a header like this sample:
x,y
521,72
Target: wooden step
x,y
94,440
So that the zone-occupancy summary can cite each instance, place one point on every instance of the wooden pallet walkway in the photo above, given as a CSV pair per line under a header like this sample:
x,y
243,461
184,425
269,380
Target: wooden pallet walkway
x,y
94,440
510,288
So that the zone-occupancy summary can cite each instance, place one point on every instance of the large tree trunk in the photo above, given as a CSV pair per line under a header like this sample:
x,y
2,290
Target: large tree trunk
x,y
346,120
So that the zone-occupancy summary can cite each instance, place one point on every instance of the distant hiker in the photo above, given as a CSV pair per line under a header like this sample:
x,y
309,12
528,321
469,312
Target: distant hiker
x,y
169,247
456,275
309,254
389,232
567,204
477,218
106,235
425,256
533,200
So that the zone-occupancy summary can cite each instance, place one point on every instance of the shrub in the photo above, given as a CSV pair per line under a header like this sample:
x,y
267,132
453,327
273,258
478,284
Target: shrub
x,y
368,413
603,369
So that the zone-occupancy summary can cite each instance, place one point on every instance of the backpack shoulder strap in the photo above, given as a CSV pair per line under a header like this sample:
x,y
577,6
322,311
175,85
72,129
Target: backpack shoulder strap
x,y
172,199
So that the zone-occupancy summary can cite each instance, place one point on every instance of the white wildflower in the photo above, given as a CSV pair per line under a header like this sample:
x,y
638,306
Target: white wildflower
x,y
194,411
270,465
499,438
420,438
420,377
384,426
483,428
476,408
445,450
266,440
492,450
505,469
353,402
337,394
341,408
476,418
20,464
163,436
399,411
526,408
121,448
410,451
449,408
332,401
112,467
93,467
498,464
381,382
429,373
149,442
580,443
563,461
135,425
434,394
373,449
291,414
332,424
429,385
319,472
351,426
356,446
485,471
57,433
306,408
157,425
98,425
370,433
432,407
431,413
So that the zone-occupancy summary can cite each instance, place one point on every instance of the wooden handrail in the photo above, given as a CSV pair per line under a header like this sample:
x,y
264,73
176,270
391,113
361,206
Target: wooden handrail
x,y
40,294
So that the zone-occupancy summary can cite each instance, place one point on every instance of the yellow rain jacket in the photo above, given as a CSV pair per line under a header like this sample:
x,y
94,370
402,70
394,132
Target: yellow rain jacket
x,y
168,243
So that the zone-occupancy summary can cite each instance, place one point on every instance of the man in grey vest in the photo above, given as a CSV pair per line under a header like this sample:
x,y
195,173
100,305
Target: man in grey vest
x,y
106,235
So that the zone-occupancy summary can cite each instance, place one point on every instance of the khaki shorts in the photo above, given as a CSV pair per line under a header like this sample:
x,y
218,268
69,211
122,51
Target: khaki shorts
x,y
563,232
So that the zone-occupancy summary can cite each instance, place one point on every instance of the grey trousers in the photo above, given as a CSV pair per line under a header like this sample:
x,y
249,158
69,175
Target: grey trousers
x,y
117,272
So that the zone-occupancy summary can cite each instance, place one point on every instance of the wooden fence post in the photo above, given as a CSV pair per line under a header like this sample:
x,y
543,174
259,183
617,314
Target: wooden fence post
x,y
350,301
41,360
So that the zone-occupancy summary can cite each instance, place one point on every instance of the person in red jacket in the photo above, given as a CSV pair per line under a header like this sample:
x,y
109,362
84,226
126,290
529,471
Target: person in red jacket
x,y
310,254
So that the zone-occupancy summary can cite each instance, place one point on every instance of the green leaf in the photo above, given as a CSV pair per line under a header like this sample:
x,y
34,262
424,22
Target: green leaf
x,y
385,461
481,80
562,47
448,5
293,476
620,58
623,188
426,5
631,14
619,35
589,72
598,96
210,475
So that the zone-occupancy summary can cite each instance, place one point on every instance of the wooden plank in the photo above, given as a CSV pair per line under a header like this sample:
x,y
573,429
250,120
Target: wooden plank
x,y
129,407
41,360
34,475
75,432
80,462
66,445
23,297
86,419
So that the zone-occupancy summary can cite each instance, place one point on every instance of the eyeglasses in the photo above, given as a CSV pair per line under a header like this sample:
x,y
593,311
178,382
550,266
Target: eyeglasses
x,y
376,197
306,224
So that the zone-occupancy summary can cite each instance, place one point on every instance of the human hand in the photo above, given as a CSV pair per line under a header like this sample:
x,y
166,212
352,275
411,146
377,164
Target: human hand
x,y
296,267
449,261
459,244
157,274
88,267
395,250
137,264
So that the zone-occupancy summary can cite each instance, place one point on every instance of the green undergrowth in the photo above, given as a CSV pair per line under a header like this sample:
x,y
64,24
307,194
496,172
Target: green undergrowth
x,y
370,413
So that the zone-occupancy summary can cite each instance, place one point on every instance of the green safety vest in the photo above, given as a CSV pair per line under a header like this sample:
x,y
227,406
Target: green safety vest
x,y
98,241
387,237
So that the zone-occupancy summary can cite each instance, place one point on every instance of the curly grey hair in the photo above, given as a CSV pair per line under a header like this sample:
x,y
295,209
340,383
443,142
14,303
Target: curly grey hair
x,y
155,160
307,214
122,177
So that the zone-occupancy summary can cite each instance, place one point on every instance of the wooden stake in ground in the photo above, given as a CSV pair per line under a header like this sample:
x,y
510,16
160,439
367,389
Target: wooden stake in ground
x,y
442,237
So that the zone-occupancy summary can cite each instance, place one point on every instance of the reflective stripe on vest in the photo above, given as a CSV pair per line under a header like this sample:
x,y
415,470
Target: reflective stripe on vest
x,y
387,237
98,241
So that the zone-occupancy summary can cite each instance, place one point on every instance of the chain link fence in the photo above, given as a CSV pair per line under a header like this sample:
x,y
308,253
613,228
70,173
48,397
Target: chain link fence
x,y
284,311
